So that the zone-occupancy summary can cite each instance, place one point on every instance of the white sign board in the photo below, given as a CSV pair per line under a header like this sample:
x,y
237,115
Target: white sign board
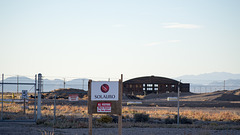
x,y
73,97
104,91
24,94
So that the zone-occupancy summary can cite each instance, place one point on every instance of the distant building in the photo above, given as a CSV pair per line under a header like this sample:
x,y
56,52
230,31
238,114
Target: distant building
x,y
153,84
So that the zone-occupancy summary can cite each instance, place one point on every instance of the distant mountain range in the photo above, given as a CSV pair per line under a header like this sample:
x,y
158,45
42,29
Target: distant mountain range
x,y
208,78
210,82
48,85
198,83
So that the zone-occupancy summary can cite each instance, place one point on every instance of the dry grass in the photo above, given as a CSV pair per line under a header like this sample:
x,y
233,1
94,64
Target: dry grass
x,y
213,116
197,115
81,112
70,116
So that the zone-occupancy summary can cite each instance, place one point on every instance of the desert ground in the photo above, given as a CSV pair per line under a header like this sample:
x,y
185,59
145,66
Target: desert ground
x,y
209,113
33,129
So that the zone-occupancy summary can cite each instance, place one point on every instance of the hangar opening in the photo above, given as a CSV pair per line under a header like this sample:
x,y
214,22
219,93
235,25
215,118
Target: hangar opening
x,y
153,84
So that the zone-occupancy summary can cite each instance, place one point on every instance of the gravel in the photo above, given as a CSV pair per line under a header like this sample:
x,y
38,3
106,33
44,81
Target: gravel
x,y
14,128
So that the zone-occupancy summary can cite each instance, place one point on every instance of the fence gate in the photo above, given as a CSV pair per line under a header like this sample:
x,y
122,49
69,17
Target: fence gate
x,y
18,105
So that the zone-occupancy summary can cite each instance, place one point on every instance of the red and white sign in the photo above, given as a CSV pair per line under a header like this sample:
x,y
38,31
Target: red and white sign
x,y
104,91
73,97
104,88
103,107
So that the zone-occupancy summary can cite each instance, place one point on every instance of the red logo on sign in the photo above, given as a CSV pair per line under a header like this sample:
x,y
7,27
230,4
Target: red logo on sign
x,y
104,88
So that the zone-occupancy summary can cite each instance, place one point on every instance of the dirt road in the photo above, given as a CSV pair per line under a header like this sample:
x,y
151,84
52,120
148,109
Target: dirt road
x,y
13,128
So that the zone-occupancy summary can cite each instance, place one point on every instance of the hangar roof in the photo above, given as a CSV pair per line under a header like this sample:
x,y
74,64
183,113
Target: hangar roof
x,y
152,80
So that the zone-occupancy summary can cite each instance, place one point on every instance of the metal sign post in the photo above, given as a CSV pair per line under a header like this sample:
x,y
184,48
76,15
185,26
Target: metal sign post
x,y
24,96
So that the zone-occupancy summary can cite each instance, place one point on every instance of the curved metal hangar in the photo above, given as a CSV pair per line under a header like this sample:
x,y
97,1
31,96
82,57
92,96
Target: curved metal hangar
x,y
153,84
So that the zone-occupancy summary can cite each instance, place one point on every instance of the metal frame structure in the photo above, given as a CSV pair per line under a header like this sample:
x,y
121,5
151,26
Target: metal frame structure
x,y
34,84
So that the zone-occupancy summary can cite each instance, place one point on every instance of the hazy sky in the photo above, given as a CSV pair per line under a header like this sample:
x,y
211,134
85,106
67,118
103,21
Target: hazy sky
x,y
104,38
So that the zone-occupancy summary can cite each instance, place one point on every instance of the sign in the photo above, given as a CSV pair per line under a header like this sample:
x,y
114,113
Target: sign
x,y
104,91
73,97
103,107
24,94
105,97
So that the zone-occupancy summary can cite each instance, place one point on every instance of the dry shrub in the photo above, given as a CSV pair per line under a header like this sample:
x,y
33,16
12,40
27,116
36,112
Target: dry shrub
x,y
141,117
126,110
182,120
105,119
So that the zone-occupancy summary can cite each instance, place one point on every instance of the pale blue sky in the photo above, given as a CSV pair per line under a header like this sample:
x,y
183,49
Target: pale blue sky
x,y
104,38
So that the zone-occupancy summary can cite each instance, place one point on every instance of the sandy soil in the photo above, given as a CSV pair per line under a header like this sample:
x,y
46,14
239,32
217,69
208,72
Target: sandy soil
x,y
224,99
7,128
216,101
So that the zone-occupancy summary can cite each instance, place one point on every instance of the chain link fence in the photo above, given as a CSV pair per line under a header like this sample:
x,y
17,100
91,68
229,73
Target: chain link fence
x,y
15,104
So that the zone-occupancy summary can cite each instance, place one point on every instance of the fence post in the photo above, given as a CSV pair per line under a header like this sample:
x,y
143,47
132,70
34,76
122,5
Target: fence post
x,y
39,95
24,106
17,83
54,117
178,102
35,88
2,96
120,100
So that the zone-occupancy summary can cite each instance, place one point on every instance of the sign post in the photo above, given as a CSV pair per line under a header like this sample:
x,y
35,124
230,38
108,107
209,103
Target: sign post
x,y
105,97
24,96
120,106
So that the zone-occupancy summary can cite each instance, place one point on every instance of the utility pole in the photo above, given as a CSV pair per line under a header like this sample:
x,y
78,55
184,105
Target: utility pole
x,y
17,83
83,84
64,83
224,85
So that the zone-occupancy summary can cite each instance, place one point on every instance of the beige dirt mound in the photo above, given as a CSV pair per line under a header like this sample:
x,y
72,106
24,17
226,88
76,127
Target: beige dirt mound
x,y
231,95
237,92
